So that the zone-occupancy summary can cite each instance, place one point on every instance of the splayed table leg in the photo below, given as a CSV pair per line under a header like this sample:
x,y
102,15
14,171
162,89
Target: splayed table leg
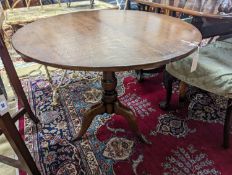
x,y
110,104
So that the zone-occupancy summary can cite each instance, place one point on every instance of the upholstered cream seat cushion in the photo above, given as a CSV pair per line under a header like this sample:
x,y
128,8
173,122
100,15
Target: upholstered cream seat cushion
x,y
214,68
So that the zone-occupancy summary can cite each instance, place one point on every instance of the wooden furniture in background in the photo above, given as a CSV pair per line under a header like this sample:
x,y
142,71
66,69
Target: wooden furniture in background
x,y
207,15
213,74
107,41
212,18
208,8
7,122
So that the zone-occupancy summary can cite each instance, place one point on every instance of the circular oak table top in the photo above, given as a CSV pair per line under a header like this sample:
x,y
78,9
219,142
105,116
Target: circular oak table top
x,y
106,40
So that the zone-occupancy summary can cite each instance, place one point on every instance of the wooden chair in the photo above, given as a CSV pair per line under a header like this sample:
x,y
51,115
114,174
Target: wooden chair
x,y
213,74
209,27
7,122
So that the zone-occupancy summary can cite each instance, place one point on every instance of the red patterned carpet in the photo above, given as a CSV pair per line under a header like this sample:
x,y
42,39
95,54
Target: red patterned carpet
x,y
184,141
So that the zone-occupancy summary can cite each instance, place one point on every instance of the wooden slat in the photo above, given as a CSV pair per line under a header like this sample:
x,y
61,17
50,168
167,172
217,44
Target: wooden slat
x,y
13,136
18,114
189,7
10,161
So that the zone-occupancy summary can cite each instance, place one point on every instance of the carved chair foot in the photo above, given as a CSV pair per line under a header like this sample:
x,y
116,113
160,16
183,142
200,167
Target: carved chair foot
x,y
227,125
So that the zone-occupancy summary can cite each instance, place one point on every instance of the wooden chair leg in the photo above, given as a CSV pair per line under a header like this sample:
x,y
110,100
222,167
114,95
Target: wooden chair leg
x,y
227,125
25,161
139,75
168,80
182,92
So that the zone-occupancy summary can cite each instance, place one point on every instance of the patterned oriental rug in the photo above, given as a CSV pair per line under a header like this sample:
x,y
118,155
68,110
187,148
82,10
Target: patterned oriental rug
x,y
184,141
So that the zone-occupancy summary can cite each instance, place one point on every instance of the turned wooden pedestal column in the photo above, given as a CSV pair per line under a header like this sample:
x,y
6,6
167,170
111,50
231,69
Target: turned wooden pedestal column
x,y
109,104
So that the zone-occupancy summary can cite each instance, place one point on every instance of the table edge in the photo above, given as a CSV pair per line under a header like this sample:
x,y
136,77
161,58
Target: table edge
x,y
109,69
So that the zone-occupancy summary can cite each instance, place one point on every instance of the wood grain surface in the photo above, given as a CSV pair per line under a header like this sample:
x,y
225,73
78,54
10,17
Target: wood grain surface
x,y
106,40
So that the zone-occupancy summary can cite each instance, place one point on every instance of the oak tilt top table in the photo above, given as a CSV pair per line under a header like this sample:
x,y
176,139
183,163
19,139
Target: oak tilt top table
x,y
107,41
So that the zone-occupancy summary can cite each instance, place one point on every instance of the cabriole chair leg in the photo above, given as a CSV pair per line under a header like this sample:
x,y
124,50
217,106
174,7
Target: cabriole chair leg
x,y
227,125
168,80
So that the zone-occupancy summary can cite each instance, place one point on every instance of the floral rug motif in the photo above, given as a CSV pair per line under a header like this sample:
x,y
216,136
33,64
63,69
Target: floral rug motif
x,y
169,124
207,107
182,142
189,161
